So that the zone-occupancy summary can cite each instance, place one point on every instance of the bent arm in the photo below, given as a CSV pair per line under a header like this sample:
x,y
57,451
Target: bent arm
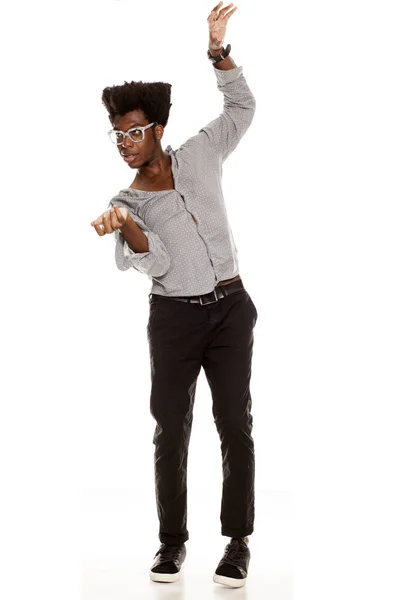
x,y
135,238
154,262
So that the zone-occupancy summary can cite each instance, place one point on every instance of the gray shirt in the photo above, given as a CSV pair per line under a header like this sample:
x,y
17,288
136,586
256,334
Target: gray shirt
x,y
191,246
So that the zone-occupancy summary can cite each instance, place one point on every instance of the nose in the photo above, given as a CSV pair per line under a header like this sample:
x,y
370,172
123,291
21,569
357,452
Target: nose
x,y
124,145
129,149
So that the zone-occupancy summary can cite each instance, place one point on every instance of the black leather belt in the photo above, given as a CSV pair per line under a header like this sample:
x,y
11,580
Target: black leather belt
x,y
217,293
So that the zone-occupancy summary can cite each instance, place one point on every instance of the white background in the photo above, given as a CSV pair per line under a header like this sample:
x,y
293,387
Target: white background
x,y
312,194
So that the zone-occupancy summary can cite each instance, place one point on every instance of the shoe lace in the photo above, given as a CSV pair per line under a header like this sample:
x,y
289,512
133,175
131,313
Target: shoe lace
x,y
169,552
235,551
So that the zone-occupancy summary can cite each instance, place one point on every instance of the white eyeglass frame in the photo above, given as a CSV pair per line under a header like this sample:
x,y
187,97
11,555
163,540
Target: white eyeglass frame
x,y
127,133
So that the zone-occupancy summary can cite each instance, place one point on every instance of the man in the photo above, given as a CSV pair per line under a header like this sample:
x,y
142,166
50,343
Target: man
x,y
171,224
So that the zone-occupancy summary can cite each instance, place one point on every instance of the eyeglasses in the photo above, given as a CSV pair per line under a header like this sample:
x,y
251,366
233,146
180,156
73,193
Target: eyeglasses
x,y
136,134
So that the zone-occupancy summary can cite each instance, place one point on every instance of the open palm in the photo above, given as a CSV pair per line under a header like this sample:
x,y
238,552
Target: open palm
x,y
217,22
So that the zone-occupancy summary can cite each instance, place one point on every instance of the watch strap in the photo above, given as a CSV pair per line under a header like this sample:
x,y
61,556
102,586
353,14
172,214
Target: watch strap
x,y
224,53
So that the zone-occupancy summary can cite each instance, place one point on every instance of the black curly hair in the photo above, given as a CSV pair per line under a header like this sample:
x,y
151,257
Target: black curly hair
x,y
153,98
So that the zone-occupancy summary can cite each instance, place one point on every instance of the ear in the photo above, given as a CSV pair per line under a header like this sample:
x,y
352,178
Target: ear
x,y
159,132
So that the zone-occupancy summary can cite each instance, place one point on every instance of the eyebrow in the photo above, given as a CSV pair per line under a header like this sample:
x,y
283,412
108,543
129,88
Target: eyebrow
x,y
131,125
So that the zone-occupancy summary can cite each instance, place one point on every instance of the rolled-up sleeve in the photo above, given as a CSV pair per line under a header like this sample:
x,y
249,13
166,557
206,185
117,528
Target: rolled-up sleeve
x,y
223,134
154,263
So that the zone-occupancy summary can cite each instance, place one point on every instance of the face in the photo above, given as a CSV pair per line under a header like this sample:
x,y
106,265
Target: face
x,y
144,150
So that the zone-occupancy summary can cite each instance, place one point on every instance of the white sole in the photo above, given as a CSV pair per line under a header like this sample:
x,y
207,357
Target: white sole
x,y
230,581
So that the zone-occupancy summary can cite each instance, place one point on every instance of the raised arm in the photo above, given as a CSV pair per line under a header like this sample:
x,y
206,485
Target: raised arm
x,y
223,134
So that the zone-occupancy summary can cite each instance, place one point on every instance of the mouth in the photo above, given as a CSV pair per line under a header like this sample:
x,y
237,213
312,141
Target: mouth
x,y
129,157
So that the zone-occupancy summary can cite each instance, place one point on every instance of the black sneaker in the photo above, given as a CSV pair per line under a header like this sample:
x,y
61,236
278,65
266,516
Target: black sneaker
x,y
168,564
233,566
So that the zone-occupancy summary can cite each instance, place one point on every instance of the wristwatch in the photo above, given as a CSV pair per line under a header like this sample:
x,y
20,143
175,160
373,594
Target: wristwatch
x,y
224,54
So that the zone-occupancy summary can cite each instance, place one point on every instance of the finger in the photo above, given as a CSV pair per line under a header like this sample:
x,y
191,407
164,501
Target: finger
x,y
216,7
99,221
119,215
99,229
214,11
116,221
98,224
231,13
223,11
106,222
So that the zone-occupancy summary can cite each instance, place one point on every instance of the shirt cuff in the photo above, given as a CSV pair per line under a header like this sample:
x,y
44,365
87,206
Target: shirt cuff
x,y
227,76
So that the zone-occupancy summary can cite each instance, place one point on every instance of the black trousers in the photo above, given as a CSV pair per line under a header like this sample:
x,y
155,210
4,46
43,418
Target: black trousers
x,y
183,337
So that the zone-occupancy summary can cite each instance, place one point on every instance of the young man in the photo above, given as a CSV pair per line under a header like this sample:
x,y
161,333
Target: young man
x,y
171,224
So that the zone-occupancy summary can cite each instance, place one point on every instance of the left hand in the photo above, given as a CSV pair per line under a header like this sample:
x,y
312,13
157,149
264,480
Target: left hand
x,y
217,22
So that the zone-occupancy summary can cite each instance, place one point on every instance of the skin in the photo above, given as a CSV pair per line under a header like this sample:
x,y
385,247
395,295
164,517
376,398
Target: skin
x,y
217,22
153,165
111,219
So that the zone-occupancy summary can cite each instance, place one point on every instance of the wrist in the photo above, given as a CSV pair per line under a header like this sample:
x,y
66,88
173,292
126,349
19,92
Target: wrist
x,y
216,51
127,223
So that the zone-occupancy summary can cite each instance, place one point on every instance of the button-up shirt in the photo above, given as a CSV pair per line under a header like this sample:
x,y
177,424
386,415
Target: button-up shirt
x,y
191,245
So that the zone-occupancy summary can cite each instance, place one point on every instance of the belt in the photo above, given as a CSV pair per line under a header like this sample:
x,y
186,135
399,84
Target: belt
x,y
217,293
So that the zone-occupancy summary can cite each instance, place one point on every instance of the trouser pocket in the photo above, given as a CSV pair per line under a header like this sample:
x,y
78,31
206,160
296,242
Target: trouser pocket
x,y
253,306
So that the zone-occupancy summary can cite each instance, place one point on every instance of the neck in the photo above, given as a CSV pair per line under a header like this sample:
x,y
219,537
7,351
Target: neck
x,y
156,167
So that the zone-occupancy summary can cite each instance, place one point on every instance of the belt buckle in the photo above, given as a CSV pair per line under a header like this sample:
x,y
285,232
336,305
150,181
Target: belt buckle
x,y
211,301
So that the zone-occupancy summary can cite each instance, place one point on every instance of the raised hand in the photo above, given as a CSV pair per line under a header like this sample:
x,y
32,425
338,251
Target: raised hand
x,y
217,22
111,220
